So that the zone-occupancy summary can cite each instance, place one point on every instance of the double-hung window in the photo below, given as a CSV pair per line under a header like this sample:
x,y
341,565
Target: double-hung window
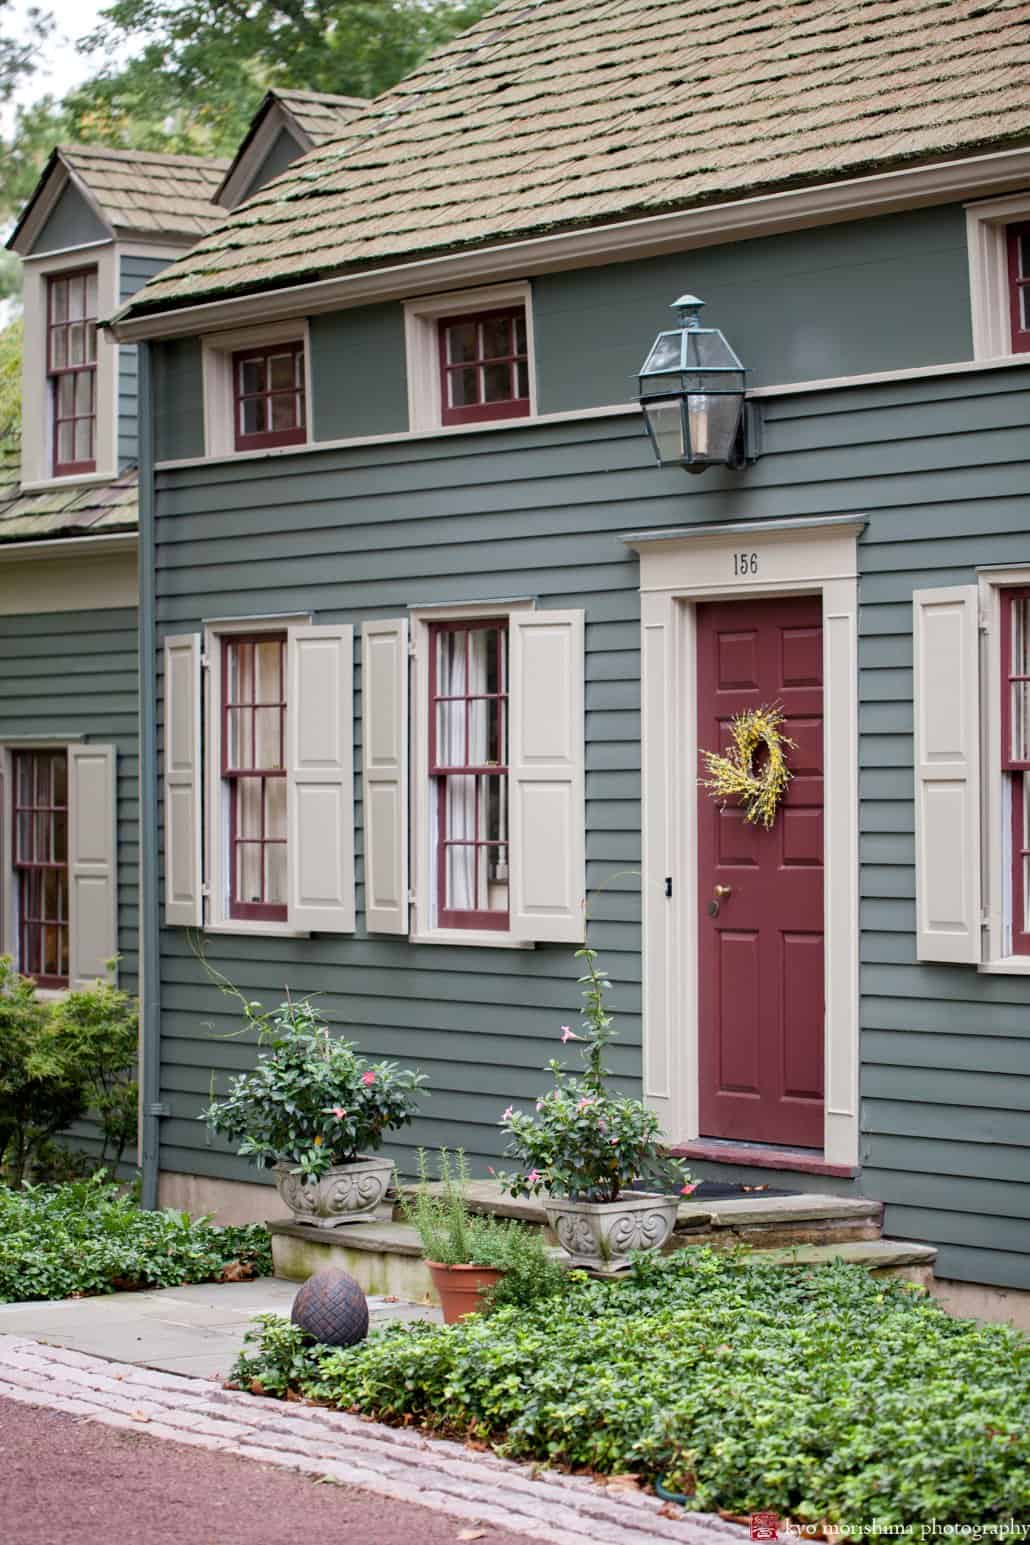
x,y
72,370
40,817
254,770
1015,755
269,397
468,756
1018,242
484,366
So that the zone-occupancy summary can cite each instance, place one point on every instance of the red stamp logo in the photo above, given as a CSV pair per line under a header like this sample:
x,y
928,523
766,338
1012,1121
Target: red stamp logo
x,y
765,1526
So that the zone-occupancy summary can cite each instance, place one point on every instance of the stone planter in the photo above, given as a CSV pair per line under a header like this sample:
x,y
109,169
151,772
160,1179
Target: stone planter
x,y
350,1193
460,1289
599,1234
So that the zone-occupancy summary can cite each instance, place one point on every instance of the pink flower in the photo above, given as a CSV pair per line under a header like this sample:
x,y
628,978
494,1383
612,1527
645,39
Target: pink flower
x,y
508,1113
568,1034
339,1112
533,1177
368,1078
690,1188
491,1169
539,1104
614,1141
602,1126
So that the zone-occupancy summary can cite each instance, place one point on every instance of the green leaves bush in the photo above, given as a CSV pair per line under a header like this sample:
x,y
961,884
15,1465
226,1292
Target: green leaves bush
x,y
822,1395
60,1059
89,1237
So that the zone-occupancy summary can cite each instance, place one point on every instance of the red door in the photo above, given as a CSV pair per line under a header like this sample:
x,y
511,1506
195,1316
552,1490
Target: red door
x,y
761,955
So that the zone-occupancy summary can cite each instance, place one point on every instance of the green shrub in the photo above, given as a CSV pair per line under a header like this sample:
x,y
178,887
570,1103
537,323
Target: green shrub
x,y
311,1101
89,1237
820,1395
60,1059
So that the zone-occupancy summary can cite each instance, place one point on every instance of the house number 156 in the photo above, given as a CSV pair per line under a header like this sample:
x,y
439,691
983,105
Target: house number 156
x,y
745,563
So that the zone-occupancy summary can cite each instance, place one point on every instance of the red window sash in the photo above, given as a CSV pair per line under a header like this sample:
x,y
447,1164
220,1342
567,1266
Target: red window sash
x,y
1017,284
33,921
480,412
55,373
1017,770
268,439
255,911
453,917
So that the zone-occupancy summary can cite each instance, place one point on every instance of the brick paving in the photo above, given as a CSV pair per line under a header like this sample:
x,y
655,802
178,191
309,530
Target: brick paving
x,y
476,1487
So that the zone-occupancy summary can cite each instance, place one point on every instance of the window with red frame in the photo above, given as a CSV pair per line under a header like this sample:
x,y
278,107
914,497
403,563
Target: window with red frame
x,y
468,764
254,769
72,370
40,811
484,367
1015,752
1019,286
268,391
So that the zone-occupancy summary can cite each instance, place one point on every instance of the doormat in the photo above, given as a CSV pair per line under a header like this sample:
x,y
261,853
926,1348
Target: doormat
x,y
723,1190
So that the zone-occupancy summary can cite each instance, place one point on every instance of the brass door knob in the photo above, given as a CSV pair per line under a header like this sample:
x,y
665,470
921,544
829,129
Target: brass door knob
x,y
722,891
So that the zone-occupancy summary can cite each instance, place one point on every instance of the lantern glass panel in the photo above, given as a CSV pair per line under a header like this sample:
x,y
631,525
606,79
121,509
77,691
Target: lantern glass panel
x,y
666,425
713,420
664,355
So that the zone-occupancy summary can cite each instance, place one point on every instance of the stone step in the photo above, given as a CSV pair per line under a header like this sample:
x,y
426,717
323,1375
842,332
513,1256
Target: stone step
x,y
386,1258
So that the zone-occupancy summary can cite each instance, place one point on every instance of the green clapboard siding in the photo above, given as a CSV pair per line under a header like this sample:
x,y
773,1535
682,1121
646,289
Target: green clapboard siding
x,y
75,673
938,468
134,273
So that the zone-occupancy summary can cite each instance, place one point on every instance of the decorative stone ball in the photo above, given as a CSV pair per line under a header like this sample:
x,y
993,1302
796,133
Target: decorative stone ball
x,y
332,1308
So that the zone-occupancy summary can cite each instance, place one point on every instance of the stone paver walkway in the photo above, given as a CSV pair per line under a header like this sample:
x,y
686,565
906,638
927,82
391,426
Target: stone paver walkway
x,y
196,1329
391,1462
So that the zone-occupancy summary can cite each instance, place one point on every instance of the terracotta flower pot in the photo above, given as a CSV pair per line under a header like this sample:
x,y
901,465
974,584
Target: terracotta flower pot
x,y
460,1288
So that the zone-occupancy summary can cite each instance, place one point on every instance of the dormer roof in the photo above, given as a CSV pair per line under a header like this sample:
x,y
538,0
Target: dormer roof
x,y
129,192
300,120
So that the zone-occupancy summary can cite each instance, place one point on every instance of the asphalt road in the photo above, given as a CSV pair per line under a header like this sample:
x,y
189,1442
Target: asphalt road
x,y
69,1481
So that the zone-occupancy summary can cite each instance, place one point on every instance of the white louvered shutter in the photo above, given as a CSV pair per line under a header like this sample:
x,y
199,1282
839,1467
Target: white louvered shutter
x,y
548,812
320,778
947,773
184,902
92,864
384,741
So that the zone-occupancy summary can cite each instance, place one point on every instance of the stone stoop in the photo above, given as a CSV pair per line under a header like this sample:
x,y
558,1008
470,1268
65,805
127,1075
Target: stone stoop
x,y
780,1231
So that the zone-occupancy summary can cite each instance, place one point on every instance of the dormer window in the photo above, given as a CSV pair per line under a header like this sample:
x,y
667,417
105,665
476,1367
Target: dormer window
x,y
72,370
1019,286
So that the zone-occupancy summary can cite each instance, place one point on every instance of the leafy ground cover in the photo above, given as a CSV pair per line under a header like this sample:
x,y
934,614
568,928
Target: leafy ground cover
x,y
89,1237
823,1395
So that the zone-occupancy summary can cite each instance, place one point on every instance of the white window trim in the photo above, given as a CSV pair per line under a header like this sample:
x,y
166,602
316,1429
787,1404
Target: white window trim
x,y
996,844
217,350
986,225
678,569
37,416
422,826
215,817
423,354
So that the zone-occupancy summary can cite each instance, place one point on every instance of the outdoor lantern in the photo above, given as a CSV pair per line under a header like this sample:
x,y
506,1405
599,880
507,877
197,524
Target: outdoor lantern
x,y
692,394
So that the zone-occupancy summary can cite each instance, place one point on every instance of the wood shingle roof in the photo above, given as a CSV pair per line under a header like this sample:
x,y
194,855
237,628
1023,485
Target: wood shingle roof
x,y
552,115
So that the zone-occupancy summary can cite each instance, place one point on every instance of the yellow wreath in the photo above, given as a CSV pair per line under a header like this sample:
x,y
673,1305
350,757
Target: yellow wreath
x,y
733,776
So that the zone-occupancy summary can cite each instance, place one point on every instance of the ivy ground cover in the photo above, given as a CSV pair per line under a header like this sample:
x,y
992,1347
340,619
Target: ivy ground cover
x,y
89,1237
823,1395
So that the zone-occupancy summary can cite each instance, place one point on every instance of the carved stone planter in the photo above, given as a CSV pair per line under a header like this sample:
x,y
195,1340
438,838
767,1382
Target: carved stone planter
x,y
599,1234
349,1193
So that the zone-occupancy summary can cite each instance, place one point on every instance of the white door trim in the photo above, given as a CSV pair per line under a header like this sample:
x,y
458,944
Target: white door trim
x,y
677,569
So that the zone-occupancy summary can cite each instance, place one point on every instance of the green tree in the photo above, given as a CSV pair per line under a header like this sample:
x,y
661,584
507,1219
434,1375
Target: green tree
x,y
10,384
18,56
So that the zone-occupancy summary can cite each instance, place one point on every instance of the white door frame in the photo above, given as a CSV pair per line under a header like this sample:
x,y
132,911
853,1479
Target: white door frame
x,y
732,562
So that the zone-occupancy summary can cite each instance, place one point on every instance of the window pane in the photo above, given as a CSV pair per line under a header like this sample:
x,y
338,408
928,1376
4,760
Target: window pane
x,y
275,871
520,333
83,439
522,378
83,391
497,383
60,828
248,871
252,376
59,300
450,734
1020,690
65,443
285,411
23,839
275,808
241,673
91,343
91,294
461,342
41,840
65,396
76,344
1024,298
76,298
59,348
496,337
253,417
268,674
240,750
280,372
248,807
60,780
463,386
42,784
267,739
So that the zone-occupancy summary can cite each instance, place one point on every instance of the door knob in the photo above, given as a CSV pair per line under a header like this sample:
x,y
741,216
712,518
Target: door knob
x,y
722,891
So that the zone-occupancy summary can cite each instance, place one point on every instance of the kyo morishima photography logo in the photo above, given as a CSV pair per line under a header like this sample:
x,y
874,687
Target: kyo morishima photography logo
x,y
770,1526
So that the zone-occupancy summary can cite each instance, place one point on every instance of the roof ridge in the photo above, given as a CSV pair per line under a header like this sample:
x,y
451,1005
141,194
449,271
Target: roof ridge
x,y
111,152
336,98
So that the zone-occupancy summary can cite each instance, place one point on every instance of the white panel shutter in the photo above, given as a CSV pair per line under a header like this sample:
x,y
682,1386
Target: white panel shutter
x,y
320,778
548,814
92,863
182,783
384,741
947,768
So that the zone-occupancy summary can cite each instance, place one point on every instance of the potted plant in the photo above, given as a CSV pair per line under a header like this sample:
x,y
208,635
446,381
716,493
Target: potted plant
x,y
586,1147
467,1253
316,1111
